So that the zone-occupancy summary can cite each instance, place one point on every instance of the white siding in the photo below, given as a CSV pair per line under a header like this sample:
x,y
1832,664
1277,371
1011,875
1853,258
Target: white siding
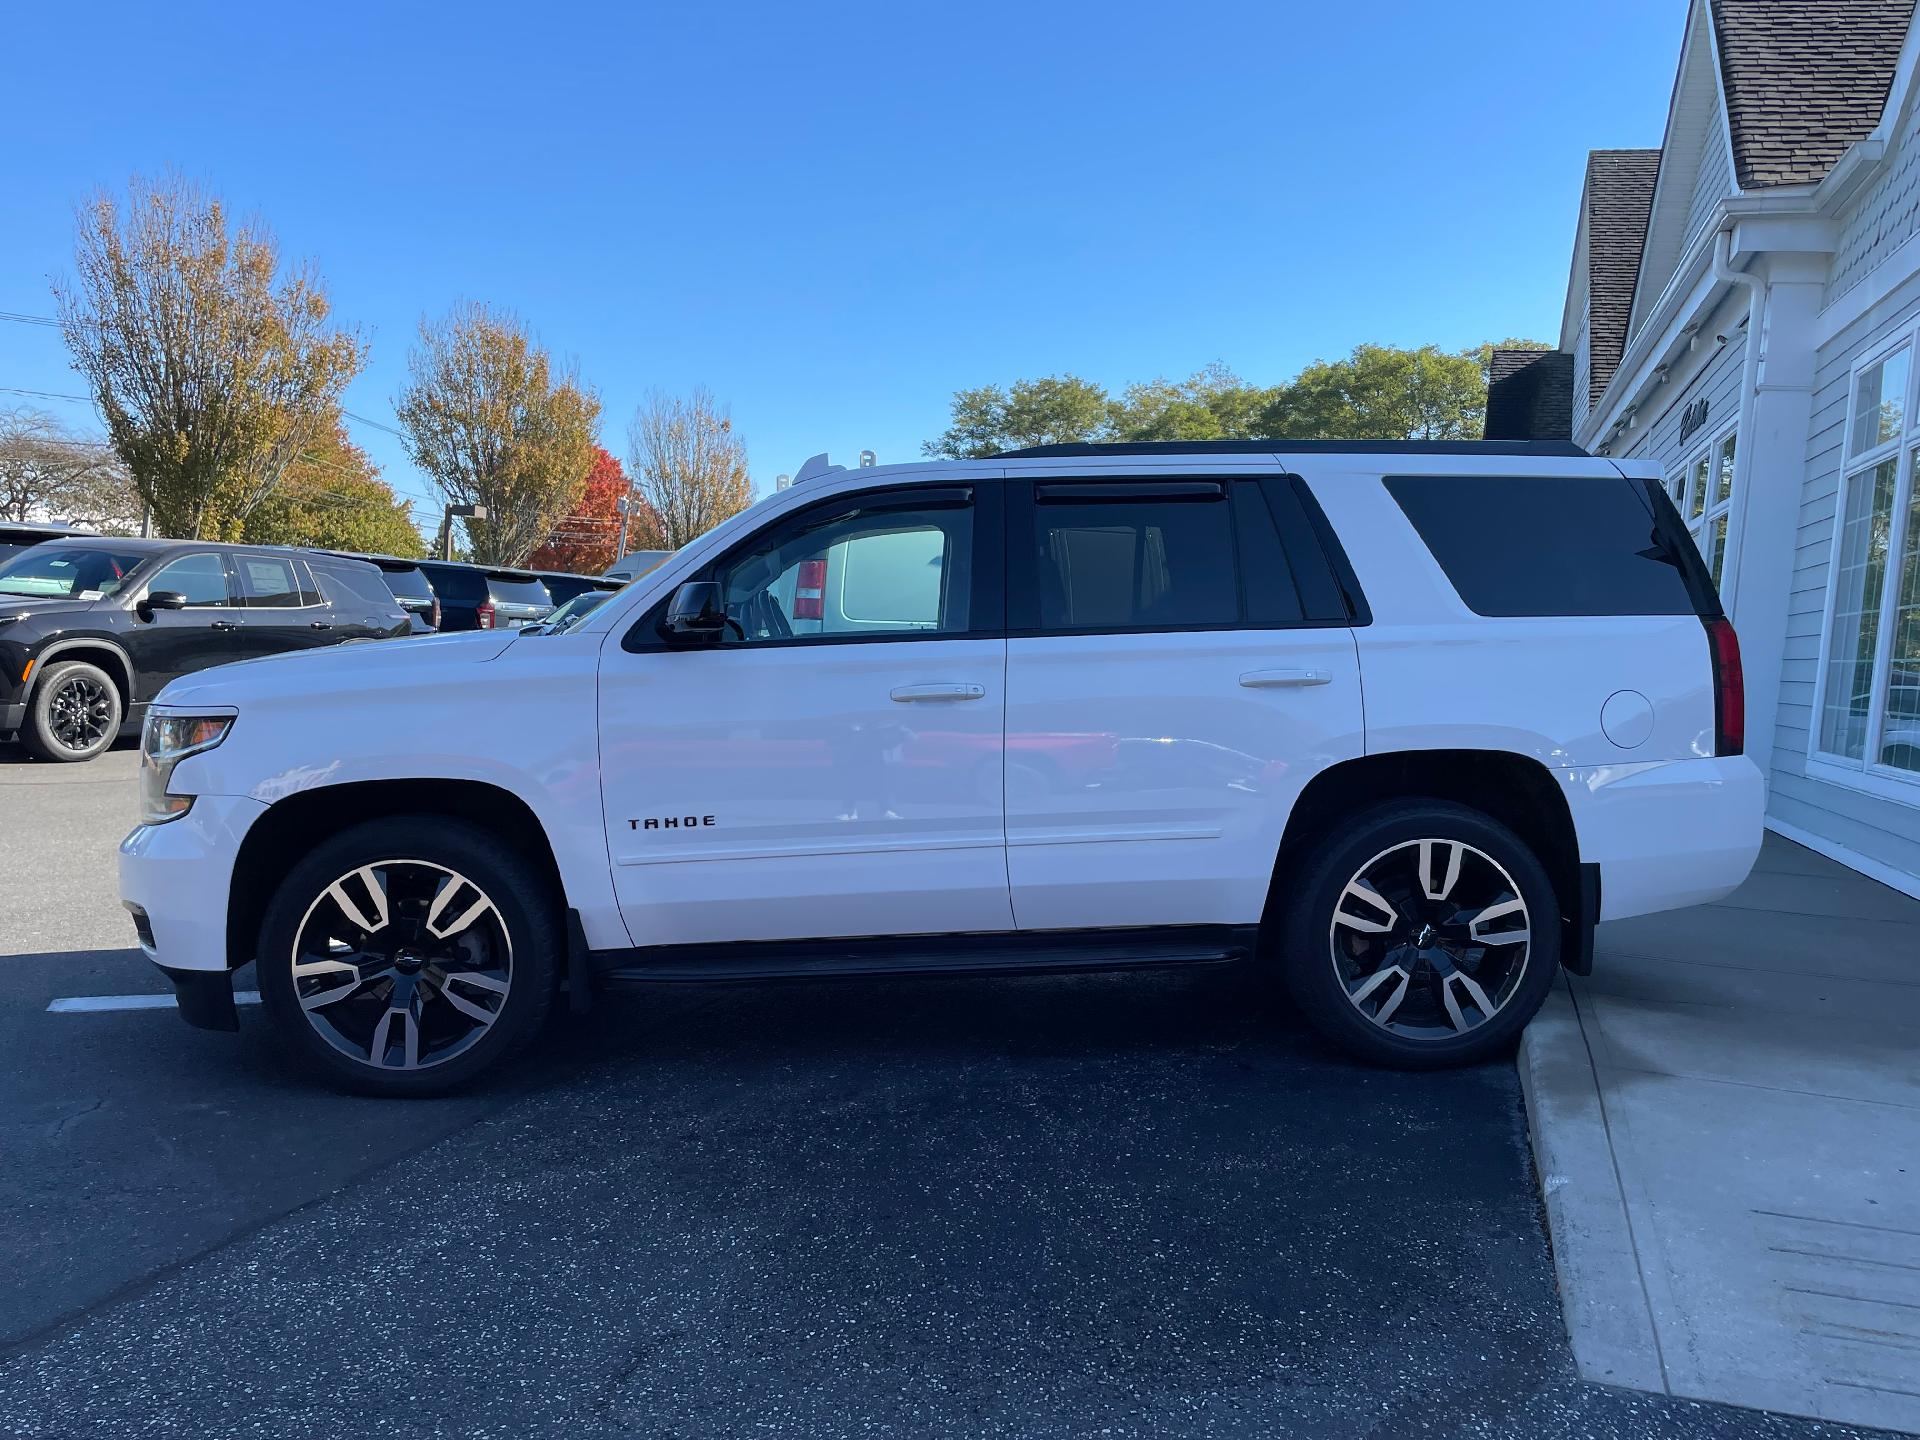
x,y
1880,829
1719,382
1887,215
1713,183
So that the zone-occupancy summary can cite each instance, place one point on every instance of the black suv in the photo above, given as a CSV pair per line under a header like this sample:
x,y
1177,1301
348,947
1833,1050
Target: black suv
x,y
92,629
408,585
484,597
562,585
16,536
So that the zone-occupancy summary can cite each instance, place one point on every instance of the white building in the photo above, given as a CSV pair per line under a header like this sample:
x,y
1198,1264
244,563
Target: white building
x,y
1744,310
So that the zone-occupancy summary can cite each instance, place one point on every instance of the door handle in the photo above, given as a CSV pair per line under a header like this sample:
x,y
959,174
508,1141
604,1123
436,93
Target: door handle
x,y
909,694
320,625
1279,679
222,625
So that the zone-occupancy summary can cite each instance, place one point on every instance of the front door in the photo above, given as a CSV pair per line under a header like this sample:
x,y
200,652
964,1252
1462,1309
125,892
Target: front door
x,y
166,644
1180,664
833,766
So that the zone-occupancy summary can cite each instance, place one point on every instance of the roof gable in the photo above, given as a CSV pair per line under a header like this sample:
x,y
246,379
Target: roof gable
x,y
1803,80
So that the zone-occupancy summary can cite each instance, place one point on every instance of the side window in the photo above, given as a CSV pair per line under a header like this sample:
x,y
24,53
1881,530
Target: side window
x,y
269,582
1134,557
898,565
201,578
354,588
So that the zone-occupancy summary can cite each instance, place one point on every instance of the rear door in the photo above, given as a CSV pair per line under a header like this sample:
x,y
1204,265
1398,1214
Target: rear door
x,y
1180,663
284,607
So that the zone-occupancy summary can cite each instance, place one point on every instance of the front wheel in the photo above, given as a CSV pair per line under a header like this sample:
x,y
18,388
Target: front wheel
x,y
405,956
1423,934
75,712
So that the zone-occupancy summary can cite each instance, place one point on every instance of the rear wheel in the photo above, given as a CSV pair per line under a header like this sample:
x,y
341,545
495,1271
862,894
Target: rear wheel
x,y
74,714
406,956
1424,934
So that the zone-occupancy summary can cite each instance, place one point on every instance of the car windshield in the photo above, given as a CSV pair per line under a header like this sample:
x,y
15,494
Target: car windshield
x,y
68,571
574,611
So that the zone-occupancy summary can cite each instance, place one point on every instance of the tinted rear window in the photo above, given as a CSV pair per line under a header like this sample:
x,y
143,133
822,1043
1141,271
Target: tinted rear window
x,y
456,584
518,592
408,584
1569,545
345,585
564,587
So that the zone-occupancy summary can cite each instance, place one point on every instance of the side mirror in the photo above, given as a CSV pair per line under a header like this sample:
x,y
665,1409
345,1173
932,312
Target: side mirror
x,y
162,600
696,614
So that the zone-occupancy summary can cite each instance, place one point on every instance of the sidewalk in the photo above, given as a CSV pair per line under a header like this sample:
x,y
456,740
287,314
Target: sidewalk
x,y
1726,1124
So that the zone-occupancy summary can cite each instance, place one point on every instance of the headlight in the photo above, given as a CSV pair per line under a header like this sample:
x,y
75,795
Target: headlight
x,y
164,743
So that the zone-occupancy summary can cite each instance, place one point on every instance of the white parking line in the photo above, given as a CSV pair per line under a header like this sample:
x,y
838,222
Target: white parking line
x,y
89,1004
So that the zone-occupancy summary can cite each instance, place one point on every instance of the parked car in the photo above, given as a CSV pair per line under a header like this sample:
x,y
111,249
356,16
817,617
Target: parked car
x,y
570,614
563,586
92,629
790,752
408,585
481,597
640,562
16,536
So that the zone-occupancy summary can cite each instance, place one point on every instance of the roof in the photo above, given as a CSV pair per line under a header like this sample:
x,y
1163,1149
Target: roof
x,y
1619,198
1174,448
1804,79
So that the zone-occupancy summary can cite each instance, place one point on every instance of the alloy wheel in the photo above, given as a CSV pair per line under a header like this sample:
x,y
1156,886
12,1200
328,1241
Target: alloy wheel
x,y
79,712
402,964
1430,939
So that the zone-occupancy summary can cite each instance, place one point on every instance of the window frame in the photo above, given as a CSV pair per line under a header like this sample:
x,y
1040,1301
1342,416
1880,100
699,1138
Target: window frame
x,y
1707,452
986,600
303,584
167,561
1868,774
1303,531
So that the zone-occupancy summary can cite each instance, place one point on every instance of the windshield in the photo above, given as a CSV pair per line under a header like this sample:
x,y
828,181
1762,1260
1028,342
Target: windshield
x,y
574,611
68,571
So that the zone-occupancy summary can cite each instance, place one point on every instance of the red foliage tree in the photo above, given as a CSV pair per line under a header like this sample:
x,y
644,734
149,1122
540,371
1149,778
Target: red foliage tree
x,y
586,540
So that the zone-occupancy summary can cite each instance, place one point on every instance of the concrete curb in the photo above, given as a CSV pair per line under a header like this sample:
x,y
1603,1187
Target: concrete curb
x,y
1602,1294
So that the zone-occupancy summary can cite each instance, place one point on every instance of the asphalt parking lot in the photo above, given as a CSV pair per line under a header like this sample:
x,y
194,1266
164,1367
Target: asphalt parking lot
x,y
1131,1205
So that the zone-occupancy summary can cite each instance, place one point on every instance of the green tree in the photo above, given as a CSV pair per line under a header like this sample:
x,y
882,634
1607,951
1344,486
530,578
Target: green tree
x,y
213,366
334,499
1056,410
1384,393
1211,404
493,423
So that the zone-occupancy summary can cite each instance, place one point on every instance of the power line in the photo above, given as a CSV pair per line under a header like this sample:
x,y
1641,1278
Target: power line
x,y
45,394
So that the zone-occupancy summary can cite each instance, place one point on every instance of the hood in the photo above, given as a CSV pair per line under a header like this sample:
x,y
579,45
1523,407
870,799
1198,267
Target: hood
x,y
18,607
336,668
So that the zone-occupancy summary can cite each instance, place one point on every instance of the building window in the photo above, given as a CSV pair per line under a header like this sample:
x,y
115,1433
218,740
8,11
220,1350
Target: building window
x,y
1703,491
1867,715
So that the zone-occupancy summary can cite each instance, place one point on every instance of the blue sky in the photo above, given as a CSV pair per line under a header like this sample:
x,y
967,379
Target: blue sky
x,y
834,216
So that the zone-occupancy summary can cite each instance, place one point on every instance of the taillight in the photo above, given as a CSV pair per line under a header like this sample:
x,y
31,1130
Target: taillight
x,y
1729,689
433,613
810,590
484,614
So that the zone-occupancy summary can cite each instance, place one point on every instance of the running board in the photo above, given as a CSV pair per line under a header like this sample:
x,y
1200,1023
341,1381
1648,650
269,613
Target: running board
x,y
992,953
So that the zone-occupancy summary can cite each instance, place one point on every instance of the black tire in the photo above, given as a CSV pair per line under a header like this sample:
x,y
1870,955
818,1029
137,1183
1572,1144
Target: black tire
x,y
1325,961
408,858
74,713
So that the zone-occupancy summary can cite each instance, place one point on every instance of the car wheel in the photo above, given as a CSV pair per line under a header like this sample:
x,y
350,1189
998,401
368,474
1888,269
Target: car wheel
x,y
406,956
1424,934
75,712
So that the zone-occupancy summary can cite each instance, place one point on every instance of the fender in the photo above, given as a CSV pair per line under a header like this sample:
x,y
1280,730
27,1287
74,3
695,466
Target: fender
x,y
115,651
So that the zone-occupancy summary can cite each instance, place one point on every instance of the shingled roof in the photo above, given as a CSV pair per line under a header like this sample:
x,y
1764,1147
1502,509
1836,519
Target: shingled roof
x,y
1804,79
1618,198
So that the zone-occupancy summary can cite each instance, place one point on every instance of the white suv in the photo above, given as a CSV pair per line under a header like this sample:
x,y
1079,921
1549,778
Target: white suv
x,y
1400,722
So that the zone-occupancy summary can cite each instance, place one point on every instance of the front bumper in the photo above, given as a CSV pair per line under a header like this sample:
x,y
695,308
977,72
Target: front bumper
x,y
174,879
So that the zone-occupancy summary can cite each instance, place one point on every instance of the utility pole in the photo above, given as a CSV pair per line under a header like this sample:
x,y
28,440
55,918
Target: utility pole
x,y
626,506
466,512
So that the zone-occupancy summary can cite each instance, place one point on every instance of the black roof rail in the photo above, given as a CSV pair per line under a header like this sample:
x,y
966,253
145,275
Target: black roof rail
x,y
1560,449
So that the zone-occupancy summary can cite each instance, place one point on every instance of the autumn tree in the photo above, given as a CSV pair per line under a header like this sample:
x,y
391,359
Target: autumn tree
x,y
688,464
333,498
213,364
494,422
48,474
1053,410
586,541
